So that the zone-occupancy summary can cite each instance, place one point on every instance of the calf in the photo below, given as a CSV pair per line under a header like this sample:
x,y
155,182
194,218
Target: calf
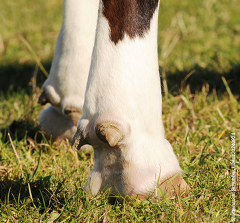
x,y
122,111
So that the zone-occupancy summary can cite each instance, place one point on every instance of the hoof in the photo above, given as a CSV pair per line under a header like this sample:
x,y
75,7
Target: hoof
x,y
78,141
57,125
173,186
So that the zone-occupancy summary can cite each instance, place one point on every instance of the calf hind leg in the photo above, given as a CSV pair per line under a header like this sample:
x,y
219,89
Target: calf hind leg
x,y
65,87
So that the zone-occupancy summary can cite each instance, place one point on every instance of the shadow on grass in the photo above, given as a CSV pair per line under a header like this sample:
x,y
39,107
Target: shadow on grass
x,y
15,77
202,76
38,193
22,129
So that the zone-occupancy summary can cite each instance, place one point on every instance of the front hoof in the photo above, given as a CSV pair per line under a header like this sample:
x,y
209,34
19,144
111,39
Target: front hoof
x,y
78,141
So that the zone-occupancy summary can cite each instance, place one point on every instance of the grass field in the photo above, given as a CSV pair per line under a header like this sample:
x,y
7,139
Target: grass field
x,y
41,181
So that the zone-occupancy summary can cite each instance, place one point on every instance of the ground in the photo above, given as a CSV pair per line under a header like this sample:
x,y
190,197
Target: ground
x,y
199,64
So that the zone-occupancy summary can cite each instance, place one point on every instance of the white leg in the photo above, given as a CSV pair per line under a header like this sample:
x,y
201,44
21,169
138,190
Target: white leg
x,y
122,112
66,84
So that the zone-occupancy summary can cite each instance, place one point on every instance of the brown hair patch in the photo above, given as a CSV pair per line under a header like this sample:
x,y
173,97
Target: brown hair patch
x,y
128,16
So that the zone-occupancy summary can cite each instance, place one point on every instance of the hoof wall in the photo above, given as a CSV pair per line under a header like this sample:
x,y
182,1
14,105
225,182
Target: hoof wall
x,y
174,185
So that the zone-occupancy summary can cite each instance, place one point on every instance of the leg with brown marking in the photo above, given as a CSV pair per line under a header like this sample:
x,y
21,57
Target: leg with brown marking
x,y
124,82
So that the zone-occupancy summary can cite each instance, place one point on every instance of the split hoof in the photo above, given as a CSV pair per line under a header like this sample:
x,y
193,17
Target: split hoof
x,y
79,140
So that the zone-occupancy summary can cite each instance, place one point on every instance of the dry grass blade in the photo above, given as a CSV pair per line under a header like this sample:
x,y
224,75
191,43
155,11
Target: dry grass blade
x,y
2,48
232,98
105,219
181,22
30,194
19,161
183,82
33,54
165,86
171,46
79,209
221,115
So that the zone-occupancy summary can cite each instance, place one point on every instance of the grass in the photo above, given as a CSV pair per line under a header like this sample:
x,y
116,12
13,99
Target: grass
x,y
42,181
51,182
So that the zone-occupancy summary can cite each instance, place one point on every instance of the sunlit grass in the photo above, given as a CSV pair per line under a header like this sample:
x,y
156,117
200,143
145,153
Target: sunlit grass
x,y
198,127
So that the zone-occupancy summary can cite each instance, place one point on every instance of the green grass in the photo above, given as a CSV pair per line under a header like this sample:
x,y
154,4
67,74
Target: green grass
x,y
193,35
207,34
43,181
198,127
